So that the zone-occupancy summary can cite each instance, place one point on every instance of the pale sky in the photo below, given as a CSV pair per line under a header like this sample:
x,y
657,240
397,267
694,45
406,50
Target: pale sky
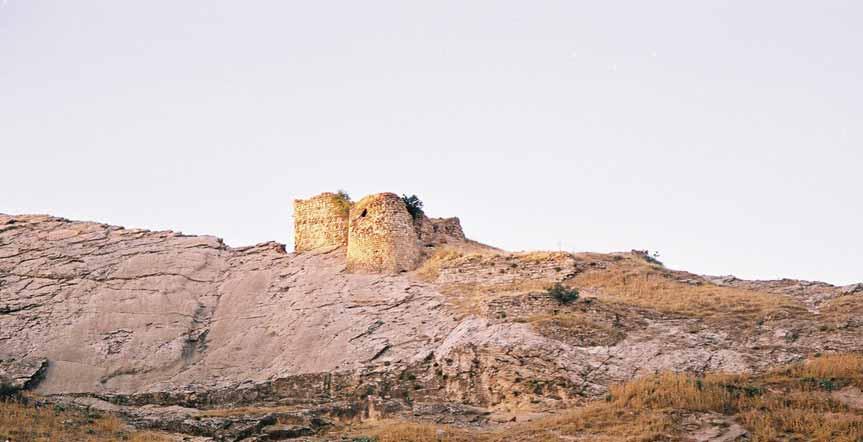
x,y
726,135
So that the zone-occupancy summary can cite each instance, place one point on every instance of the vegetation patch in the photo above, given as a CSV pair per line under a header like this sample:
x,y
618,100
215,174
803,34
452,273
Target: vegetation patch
x,y
474,298
562,293
431,267
399,431
28,422
7,391
635,282
414,205
789,403
843,309
343,199
575,328
778,405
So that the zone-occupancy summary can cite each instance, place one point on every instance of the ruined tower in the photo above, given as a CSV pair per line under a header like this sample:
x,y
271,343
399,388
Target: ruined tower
x,y
321,221
382,236
378,232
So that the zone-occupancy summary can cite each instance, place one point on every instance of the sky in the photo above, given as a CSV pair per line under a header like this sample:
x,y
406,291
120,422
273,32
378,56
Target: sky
x,y
726,135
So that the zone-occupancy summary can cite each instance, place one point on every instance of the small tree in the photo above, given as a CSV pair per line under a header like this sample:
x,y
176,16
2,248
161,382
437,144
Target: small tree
x,y
341,193
344,200
414,205
562,294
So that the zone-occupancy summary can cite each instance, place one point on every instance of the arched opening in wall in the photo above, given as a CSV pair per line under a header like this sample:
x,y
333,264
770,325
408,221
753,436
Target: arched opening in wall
x,y
365,212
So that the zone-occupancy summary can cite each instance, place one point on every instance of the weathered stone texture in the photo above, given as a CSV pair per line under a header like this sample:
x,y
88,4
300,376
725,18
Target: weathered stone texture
x,y
437,231
448,228
122,311
382,236
387,239
320,221
23,373
496,269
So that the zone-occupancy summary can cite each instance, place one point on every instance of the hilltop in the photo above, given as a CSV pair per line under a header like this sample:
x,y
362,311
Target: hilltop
x,y
187,336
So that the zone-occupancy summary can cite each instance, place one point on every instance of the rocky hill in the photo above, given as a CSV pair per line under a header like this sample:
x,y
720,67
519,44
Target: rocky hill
x,y
186,335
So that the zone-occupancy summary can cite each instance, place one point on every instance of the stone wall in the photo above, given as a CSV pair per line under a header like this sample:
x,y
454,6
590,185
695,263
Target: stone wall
x,y
320,221
382,236
437,231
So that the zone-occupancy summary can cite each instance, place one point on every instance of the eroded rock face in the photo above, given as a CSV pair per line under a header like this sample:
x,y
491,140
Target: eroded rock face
x,y
22,374
120,311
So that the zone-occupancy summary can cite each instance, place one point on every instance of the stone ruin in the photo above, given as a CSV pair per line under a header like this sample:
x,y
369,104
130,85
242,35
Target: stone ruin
x,y
378,232
381,235
321,221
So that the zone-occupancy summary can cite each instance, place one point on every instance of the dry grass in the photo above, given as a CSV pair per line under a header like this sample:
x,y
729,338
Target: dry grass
x,y
472,294
569,320
822,371
843,308
473,298
537,257
644,285
623,280
225,412
453,256
577,325
430,269
784,404
398,431
19,422
780,405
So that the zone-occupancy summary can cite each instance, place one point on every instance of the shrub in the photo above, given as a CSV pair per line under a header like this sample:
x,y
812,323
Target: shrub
x,y
344,200
343,195
7,391
654,259
647,256
562,294
414,205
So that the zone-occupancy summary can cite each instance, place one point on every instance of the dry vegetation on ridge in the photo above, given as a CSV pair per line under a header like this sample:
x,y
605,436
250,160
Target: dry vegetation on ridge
x,y
22,422
617,278
646,285
798,402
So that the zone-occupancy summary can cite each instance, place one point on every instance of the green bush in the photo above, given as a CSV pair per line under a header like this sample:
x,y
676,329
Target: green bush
x,y
344,200
562,294
7,391
414,205
343,195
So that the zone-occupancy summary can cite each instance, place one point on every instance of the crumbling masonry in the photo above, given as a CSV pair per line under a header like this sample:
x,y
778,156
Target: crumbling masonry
x,y
379,233
320,222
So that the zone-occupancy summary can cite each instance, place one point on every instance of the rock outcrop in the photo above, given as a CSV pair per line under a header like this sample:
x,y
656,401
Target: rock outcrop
x,y
184,325
21,374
